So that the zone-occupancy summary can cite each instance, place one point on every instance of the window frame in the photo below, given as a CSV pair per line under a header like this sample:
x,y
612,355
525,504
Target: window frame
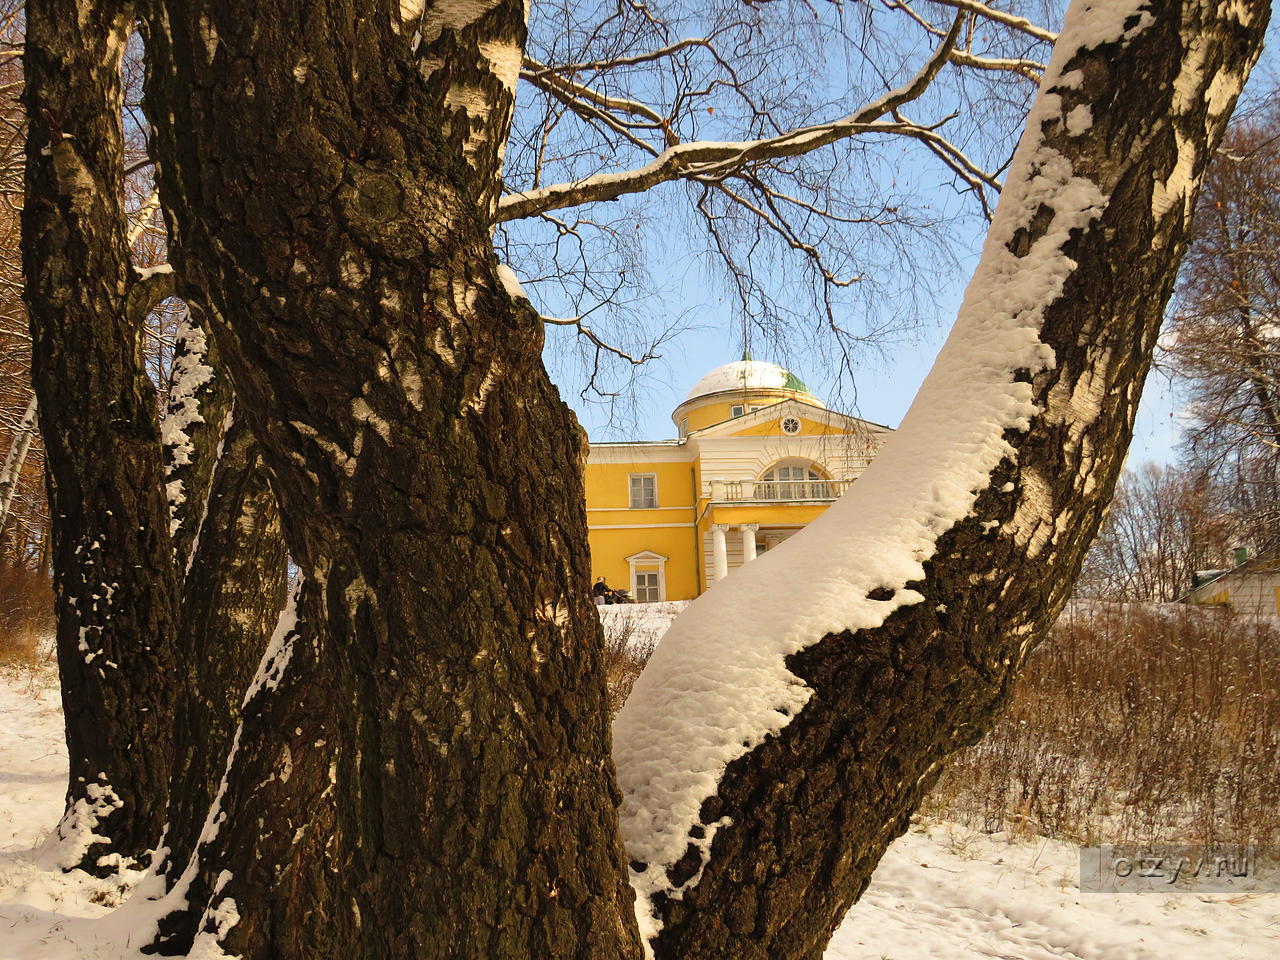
x,y
646,562
631,491
641,590
815,477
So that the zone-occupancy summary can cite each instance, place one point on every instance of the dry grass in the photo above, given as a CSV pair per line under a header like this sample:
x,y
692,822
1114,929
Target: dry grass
x,y
1134,723
26,617
626,652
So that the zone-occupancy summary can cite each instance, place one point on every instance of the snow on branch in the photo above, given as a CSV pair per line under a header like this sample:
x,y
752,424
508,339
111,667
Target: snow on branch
x,y
151,285
703,159
719,684
999,16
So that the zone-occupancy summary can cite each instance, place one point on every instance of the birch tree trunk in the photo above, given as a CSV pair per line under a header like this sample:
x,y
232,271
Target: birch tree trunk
x,y
424,760
15,458
113,574
976,536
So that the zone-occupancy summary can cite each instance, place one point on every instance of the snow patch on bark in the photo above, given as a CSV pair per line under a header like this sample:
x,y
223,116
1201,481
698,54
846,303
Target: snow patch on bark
x,y
279,649
511,283
150,904
190,374
215,924
718,684
77,830
1079,120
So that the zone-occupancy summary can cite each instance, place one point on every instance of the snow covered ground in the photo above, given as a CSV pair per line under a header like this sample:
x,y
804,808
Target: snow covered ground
x,y
942,892
641,624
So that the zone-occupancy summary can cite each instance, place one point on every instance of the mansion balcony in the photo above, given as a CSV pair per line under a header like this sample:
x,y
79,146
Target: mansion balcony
x,y
776,491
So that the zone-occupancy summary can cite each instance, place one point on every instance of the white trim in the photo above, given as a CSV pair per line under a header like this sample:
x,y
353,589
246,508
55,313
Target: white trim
x,y
648,558
678,506
663,451
635,526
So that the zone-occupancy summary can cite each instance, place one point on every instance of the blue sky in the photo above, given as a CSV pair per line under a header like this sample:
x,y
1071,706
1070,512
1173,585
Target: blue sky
x,y
683,285
884,384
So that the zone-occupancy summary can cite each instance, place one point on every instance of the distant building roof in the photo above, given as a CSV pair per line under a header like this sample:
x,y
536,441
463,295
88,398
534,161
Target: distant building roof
x,y
747,375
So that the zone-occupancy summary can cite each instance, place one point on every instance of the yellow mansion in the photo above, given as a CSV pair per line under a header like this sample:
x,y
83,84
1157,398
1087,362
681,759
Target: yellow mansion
x,y
758,457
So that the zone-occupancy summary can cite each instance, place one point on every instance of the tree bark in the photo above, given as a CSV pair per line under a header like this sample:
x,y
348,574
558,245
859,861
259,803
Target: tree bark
x,y
232,564
804,817
436,752
232,596
113,576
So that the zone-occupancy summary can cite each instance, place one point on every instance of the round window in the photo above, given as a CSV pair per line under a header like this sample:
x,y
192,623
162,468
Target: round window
x,y
790,426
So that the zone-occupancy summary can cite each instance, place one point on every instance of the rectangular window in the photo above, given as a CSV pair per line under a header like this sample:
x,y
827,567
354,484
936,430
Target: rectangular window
x,y
737,410
644,491
647,589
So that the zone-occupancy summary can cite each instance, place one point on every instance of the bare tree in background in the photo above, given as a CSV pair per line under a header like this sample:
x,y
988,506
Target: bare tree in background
x,y
1164,524
751,140
1224,347
24,535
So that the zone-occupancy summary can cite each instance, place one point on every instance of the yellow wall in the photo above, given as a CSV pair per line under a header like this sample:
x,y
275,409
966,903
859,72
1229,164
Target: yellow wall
x,y
611,547
616,531
609,486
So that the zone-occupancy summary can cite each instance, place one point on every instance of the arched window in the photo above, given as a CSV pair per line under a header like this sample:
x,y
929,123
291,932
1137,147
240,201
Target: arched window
x,y
793,480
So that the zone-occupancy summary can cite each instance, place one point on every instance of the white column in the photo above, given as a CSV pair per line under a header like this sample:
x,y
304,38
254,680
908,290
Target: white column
x,y
749,541
719,553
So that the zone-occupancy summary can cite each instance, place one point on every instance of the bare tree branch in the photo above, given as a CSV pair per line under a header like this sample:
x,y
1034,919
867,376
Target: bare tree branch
x,y
704,158
999,16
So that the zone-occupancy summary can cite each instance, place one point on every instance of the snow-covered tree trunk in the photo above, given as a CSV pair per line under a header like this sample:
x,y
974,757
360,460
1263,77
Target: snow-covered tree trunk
x,y
852,661
423,765
113,574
